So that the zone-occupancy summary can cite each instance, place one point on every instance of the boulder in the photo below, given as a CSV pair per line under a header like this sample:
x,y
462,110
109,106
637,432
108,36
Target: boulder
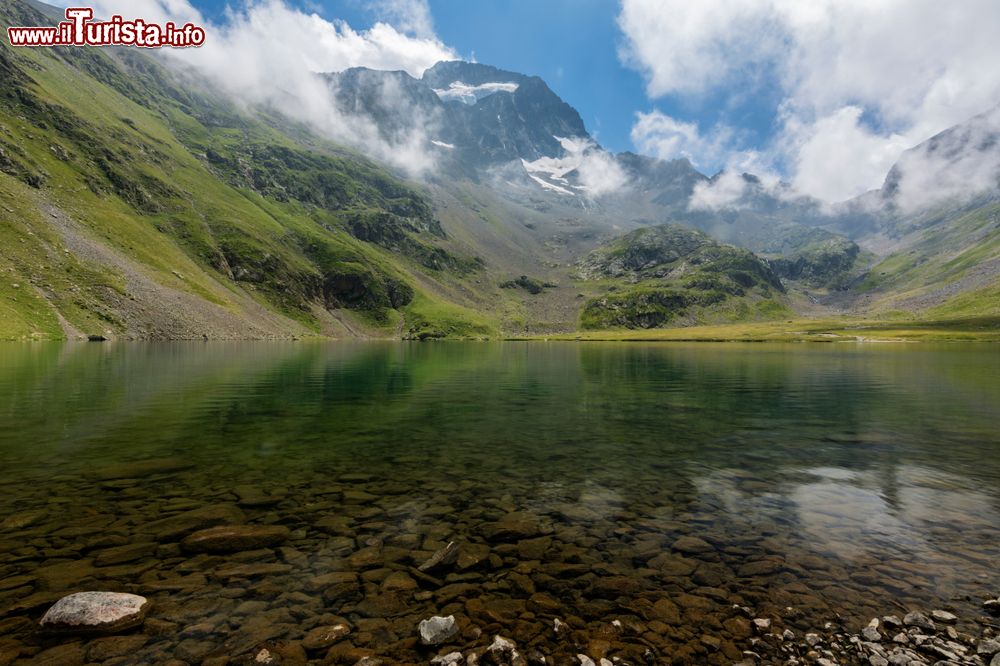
x,y
96,613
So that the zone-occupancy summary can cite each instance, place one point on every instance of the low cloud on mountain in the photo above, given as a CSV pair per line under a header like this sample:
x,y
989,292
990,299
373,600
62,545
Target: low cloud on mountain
x,y
596,172
280,50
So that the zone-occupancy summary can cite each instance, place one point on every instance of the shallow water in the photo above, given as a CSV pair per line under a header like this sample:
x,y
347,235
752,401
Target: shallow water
x,y
820,481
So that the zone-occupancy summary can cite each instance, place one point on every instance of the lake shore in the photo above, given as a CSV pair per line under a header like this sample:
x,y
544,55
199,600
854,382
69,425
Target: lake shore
x,y
984,329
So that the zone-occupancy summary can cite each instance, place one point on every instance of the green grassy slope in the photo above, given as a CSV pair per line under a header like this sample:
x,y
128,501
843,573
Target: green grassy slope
x,y
950,269
670,275
134,206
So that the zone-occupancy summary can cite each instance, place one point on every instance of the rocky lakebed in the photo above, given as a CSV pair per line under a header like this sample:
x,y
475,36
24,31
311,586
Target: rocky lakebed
x,y
362,572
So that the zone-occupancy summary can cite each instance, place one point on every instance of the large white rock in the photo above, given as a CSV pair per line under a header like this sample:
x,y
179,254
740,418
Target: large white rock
x,y
437,629
96,612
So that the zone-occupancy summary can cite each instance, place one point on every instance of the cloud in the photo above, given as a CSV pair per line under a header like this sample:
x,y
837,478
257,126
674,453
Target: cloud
x,y
690,47
859,80
660,135
729,188
409,16
837,156
953,166
599,174
270,54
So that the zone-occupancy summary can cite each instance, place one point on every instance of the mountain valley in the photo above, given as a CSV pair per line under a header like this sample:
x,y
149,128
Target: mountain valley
x,y
140,202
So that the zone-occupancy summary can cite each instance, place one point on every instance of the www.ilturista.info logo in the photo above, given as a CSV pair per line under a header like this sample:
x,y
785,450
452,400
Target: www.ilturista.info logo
x,y
79,30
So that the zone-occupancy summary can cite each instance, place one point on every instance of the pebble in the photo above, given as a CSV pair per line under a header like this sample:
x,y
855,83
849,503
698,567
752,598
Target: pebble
x,y
944,617
871,634
988,647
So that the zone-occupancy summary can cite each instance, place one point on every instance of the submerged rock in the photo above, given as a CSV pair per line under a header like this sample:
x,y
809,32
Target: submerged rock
x,y
690,545
503,652
323,637
436,630
442,558
514,526
234,538
96,612
918,620
178,525
142,468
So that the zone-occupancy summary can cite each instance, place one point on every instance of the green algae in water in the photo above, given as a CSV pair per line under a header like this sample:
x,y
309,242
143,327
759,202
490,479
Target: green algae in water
x,y
656,484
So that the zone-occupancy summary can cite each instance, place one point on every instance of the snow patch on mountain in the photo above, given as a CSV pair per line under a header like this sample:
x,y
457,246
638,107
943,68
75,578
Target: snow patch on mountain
x,y
550,186
594,171
458,91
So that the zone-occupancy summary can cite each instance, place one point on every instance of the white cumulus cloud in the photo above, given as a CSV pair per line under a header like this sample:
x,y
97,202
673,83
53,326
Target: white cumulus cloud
x,y
660,135
859,80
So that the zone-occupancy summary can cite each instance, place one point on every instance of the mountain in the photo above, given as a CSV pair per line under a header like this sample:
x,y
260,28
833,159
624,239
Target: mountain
x,y
139,204
670,274
138,201
514,135
478,116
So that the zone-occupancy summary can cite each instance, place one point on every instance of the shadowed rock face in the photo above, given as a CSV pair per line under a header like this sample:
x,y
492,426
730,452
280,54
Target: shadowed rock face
x,y
502,126
96,612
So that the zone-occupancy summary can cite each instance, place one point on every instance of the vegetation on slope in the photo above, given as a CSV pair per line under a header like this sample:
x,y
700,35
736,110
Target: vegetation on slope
x,y
947,270
115,173
670,275
833,262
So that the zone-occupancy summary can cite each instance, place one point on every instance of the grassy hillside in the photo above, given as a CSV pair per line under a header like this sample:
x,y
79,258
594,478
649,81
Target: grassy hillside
x,y
670,275
134,206
947,269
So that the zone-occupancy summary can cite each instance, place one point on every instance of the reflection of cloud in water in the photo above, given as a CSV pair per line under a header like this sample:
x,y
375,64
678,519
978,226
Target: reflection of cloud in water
x,y
933,498
897,510
905,511
848,520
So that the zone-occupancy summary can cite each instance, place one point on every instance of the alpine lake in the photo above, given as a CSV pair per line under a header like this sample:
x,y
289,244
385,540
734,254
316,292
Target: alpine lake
x,y
638,503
